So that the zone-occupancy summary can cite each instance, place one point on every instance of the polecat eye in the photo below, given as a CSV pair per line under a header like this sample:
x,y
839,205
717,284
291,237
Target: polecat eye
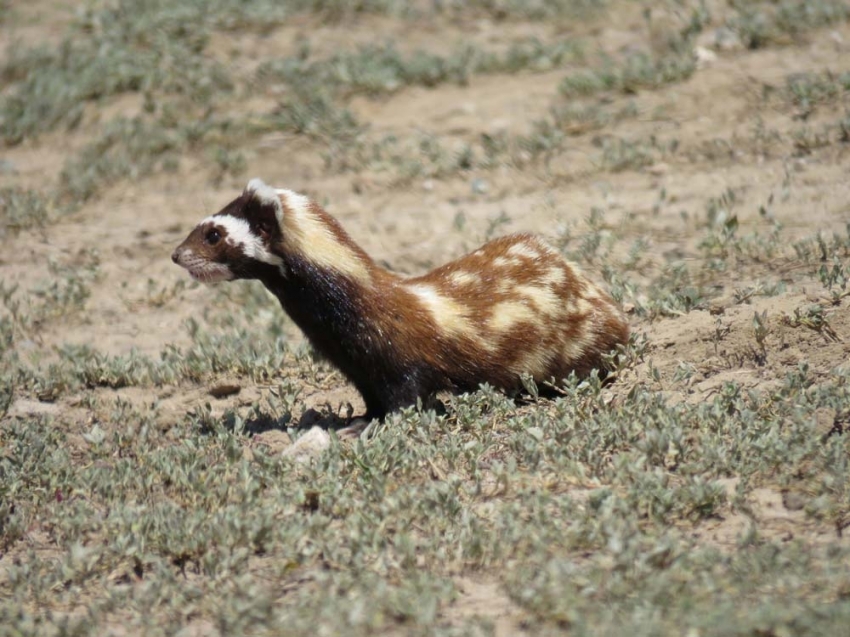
x,y
213,237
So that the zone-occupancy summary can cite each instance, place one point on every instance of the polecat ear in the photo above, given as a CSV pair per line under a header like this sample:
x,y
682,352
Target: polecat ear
x,y
266,197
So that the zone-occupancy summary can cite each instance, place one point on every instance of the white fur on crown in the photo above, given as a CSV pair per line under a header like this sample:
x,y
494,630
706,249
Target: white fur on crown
x,y
266,195
239,234
295,201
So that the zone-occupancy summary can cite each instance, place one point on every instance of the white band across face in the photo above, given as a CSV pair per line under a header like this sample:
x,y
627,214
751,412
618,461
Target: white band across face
x,y
237,232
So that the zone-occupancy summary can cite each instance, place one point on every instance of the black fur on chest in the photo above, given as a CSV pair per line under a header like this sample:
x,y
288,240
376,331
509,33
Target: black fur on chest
x,y
335,313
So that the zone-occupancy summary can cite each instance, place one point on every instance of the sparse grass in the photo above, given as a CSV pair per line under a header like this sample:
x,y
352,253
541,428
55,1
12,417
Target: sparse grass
x,y
159,52
560,592
429,156
820,248
146,523
623,154
639,71
534,9
674,286
813,317
577,119
23,208
809,90
760,24
379,69
722,242
144,51
318,116
255,355
62,293
135,148
317,93
702,493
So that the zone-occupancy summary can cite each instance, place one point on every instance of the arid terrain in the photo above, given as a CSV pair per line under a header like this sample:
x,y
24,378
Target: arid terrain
x,y
168,455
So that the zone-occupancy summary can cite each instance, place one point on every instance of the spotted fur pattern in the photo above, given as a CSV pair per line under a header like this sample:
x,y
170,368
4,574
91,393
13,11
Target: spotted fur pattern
x,y
512,307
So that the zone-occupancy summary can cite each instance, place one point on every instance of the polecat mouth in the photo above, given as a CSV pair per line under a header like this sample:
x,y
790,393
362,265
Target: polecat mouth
x,y
202,269
211,276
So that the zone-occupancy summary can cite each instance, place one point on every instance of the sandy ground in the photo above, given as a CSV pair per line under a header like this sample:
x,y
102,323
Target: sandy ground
x,y
713,117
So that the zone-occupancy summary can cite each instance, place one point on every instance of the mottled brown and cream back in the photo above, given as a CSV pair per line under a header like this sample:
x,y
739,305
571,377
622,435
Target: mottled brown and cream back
x,y
517,299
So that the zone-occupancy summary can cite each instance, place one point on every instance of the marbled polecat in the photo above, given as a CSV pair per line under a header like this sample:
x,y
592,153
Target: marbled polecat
x,y
512,307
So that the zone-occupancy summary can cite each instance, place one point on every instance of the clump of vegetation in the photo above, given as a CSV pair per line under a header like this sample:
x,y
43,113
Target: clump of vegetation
x,y
760,24
534,9
807,90
380,69
639,71
22,208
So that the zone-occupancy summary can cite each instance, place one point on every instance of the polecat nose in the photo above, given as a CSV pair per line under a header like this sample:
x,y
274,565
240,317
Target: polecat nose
x,y
175,256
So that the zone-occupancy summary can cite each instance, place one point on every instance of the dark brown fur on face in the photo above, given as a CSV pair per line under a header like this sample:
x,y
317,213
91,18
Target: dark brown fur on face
x,y
512,307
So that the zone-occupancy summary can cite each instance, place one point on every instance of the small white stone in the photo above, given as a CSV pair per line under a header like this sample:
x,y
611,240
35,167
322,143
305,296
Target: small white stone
x,y
309,446
705,57
479,186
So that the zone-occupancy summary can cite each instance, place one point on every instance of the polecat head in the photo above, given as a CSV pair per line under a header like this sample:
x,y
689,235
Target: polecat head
x,y
238,241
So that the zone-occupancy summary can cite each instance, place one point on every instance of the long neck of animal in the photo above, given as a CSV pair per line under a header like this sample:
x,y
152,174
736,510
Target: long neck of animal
x,y
327,282
313,234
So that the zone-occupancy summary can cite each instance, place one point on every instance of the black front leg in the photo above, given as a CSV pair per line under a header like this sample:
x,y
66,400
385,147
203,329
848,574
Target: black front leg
x,y
393,395
407,393
375,402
